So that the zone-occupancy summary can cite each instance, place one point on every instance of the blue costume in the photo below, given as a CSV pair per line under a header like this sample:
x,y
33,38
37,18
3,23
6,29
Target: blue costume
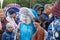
x,y
47,19
54,30
8,35
54,27
27,30
34,12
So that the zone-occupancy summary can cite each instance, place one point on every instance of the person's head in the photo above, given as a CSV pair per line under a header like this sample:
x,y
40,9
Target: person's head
x,y
9,27
12,13
47,8
43,21
39,20
26,15
39,8
24,18
36,22
2,14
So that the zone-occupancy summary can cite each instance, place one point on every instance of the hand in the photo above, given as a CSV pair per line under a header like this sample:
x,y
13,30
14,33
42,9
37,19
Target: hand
x,y
17,34
0,28
36,24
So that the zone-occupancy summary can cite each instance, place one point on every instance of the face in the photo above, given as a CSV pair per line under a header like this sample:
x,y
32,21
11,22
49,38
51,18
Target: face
x,y
13,15
28,20
48,10
36,24
25,19
10,29
2,16
39,11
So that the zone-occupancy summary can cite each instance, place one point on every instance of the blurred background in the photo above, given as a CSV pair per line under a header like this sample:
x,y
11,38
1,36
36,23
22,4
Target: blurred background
x,y
26,3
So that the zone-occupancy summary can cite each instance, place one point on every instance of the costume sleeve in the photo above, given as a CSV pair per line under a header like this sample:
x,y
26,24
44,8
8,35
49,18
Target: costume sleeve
x,y
34,36
49,32
45,34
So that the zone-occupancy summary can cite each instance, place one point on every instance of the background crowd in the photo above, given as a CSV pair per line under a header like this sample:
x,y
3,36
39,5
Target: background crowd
x,y
36,23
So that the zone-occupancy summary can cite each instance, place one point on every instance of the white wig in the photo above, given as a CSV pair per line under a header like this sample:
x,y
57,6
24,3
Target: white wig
x,y
8,25
26,11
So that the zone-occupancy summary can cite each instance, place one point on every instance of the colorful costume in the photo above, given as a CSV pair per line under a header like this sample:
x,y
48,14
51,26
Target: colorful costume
x,y
26,25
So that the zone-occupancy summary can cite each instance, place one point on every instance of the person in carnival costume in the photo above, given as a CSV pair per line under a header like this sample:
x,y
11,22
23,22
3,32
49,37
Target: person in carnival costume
x,y
54,27
26,26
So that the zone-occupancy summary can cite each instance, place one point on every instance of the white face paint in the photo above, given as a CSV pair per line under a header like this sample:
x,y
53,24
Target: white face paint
x,y
28,20
25,19
26,15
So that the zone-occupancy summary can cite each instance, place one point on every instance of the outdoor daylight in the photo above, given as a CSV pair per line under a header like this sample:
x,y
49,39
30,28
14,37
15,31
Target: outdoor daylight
x,y
29,19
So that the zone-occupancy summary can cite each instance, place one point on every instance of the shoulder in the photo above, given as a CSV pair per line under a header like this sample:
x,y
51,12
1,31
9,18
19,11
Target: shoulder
x,y
13,33
43,15
21,24
4,34
55,23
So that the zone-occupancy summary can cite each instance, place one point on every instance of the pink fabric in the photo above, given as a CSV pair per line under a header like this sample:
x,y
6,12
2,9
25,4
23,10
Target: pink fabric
x,y
56,8
11,20
0,25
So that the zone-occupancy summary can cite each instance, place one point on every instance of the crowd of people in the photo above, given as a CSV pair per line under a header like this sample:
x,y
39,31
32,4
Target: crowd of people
x,y
39,23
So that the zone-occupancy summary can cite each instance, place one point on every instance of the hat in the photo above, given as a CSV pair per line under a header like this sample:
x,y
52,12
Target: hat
x,y
11,11
56,8
38,6
26,11
34,12
8,25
